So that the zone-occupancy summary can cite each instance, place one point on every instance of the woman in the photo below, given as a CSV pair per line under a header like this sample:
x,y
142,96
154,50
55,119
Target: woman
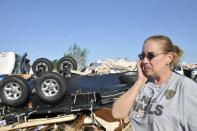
x,y
160,100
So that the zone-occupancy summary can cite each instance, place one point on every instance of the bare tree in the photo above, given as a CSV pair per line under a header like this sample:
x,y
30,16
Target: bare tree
x,y
79,54
54,62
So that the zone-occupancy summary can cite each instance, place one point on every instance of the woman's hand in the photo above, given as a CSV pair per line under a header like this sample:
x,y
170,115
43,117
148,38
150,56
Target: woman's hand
x,y
141,77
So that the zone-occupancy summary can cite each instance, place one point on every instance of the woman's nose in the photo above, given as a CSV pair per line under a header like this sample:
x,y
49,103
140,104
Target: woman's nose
x,y
145,60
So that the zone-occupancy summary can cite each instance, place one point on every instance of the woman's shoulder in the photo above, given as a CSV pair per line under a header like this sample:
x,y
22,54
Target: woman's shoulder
x,y
181,78
184,81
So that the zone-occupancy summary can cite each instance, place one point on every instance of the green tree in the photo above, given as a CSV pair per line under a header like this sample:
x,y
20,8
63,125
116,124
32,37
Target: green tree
x,y
79,54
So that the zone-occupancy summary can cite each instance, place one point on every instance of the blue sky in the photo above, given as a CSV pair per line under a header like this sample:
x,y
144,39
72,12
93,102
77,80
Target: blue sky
x,y
107,28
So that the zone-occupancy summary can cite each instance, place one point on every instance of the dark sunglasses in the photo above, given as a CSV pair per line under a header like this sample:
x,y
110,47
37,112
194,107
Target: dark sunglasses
x,y
149,55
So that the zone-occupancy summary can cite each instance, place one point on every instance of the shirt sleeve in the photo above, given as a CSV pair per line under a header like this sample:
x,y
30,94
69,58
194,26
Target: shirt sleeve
x,y
189,104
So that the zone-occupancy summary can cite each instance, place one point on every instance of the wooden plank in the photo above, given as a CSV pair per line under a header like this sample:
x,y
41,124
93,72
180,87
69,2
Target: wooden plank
x,y
25,76
37,122
78,72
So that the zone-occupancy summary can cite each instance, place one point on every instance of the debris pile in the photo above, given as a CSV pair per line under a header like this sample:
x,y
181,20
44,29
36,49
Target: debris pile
x,y
110,66
100,119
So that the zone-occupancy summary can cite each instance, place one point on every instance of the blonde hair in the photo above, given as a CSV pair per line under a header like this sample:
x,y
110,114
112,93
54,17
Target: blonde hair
x,y
167,46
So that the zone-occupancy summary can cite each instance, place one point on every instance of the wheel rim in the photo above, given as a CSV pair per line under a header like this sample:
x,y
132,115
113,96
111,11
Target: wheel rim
x,y
50,87
66,65
195,79
42,67
12,91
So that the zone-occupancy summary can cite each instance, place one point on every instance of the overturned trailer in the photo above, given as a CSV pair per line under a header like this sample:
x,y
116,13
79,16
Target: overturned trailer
x,y
59,93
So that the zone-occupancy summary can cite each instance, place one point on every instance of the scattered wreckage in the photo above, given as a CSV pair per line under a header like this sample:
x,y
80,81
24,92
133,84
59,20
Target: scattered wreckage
x,y
189,70
63,91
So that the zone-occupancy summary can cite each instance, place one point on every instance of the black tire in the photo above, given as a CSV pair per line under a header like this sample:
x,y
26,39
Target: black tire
x,y
195,79
50,87
25,67
24,64
14,91
65,64
42,65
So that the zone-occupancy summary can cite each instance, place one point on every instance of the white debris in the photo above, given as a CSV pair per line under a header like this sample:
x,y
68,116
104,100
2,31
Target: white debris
x,y
110,66
2,123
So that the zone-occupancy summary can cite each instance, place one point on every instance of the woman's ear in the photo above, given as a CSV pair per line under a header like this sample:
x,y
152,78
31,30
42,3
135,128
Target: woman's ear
x,y
169,58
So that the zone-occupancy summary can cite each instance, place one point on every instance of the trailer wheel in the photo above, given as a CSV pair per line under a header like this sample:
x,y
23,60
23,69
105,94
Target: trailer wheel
x,y
42,65
66,64
14,91
50,87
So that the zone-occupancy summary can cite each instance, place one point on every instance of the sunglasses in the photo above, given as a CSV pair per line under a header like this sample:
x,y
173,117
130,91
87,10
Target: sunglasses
x,y
149,55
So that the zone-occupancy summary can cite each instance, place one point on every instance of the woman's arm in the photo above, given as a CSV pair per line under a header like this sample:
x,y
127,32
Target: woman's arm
x,y
124,103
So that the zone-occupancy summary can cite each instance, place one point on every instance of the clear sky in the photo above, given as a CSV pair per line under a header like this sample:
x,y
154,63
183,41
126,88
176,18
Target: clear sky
x,y
107,28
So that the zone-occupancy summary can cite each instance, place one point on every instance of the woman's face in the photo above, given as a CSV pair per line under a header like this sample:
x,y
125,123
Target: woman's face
x,y
154,59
